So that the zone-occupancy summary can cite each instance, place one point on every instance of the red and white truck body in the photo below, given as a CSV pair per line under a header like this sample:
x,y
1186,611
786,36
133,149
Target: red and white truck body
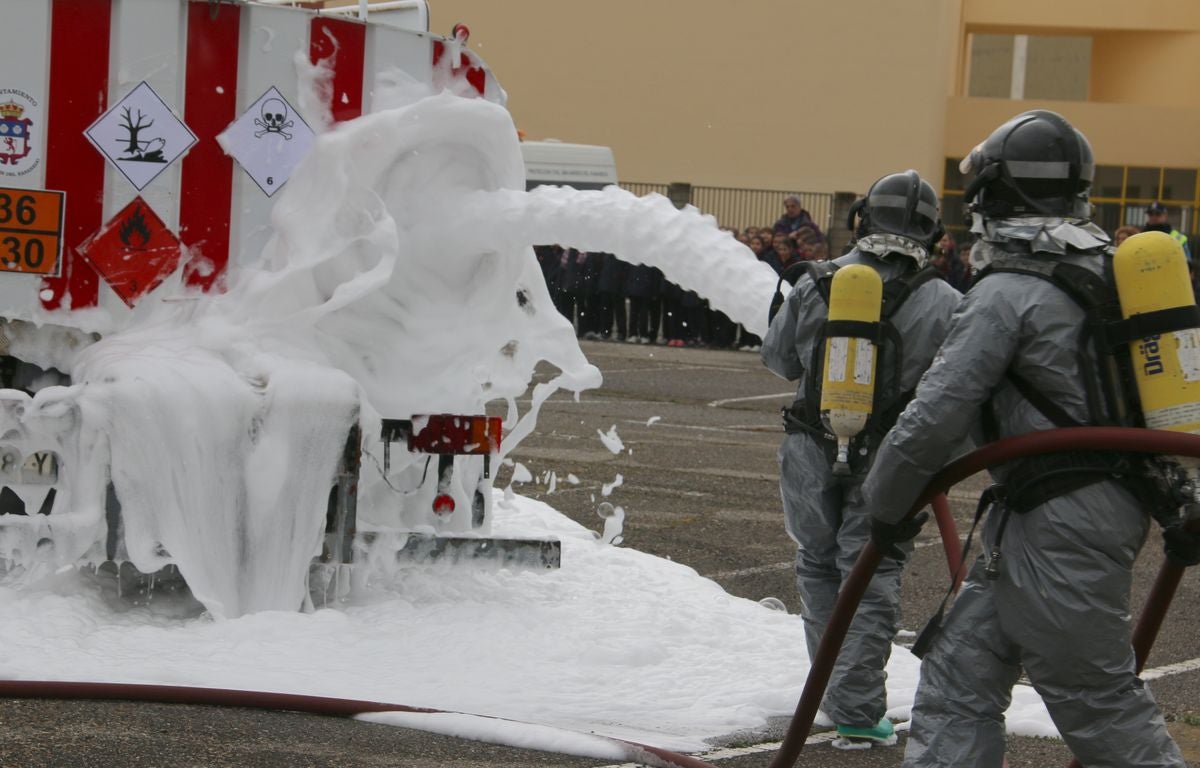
x,y
129,163
68,62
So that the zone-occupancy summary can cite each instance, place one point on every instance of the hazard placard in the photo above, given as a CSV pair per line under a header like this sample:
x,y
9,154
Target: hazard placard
x,y
140,135
31,224
268,140
134,252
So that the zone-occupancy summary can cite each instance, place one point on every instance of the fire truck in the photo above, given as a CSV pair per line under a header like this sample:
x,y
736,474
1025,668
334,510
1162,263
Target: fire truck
x,y
128,155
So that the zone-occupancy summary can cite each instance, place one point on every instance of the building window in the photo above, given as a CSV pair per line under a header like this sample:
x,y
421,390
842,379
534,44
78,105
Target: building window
x,y
1178,184
1141,183
1029,67
1109,181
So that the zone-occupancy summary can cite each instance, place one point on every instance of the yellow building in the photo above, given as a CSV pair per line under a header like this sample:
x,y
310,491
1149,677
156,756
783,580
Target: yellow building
x,y
825,95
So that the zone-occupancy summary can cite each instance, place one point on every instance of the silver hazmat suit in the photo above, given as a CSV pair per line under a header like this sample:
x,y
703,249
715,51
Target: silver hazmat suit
x,y
1060,605
825,515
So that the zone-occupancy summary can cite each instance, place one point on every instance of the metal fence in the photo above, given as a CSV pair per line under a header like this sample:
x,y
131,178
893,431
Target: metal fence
x,y
644,188
741,208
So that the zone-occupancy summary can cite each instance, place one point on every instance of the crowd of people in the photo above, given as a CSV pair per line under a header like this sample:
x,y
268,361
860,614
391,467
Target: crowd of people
x,y
608,299
612,300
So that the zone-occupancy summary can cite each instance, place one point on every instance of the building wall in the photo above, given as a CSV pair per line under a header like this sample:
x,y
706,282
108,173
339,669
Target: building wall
x,y
1146,67
1140,108
825,96
803,94
1146,136
1067,16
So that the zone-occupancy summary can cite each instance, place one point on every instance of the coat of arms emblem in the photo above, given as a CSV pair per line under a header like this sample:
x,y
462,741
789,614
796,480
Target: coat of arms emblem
x,y
14,133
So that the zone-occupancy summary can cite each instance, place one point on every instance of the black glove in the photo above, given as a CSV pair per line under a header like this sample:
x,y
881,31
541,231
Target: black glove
x,y
1181,545
887,536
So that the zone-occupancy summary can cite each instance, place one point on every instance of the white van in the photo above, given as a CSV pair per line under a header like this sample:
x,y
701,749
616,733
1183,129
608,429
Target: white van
x,y
582,166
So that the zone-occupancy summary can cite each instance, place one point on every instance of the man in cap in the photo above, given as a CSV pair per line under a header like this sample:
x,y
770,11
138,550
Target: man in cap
x,y
1159,220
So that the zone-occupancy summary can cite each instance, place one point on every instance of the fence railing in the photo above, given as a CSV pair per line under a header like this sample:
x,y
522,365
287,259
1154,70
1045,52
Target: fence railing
x,y
644,188
741,208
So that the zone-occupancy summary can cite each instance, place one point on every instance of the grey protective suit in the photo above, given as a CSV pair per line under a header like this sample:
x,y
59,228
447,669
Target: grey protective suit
x,y
1060,606
824,514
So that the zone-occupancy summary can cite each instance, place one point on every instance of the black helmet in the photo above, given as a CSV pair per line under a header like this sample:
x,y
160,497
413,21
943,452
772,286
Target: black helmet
x,y
898,204
1036,164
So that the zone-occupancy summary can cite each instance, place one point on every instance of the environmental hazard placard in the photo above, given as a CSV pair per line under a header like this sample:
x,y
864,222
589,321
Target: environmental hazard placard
x,y
31,223
140,136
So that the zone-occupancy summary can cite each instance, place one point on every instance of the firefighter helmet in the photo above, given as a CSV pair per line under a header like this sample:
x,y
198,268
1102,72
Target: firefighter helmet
x,y
901,204
1036,164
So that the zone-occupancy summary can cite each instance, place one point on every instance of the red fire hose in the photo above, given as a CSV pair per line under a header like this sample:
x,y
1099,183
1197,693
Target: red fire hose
x,y
950,542
1050,441
634,752
290,702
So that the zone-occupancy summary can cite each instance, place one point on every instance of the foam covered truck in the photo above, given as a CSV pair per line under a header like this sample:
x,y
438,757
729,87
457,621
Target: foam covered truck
x,y
144,145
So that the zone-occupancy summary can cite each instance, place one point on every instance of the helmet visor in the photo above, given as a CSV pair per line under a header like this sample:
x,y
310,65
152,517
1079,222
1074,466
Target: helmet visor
x,y
973,162
891,213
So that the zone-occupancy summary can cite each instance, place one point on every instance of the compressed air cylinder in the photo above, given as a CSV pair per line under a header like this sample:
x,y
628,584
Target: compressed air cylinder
x,y
1152,274
848,382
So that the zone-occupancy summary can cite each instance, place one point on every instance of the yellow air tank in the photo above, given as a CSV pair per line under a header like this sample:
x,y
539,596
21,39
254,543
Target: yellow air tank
x,y
848,383
1152,274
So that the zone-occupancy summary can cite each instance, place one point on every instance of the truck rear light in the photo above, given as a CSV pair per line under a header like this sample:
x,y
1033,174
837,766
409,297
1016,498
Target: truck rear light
x,y
443,504
445,434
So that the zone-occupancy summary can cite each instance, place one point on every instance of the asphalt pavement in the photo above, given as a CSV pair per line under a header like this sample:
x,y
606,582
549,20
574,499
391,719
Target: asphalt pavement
x,y
700,486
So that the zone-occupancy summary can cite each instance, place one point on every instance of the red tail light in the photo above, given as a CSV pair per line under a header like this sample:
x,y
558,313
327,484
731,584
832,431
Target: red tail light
x,y
443,504
447,433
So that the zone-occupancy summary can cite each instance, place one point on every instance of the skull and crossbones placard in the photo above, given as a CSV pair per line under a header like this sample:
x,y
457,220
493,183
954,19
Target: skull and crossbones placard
x,y
268,140
274,112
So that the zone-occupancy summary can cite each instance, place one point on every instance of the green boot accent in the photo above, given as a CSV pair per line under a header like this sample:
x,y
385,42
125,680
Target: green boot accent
x,y
881,735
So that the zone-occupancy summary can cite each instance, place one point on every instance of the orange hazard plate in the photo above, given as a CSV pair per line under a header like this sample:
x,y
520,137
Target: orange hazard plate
x,y
31,224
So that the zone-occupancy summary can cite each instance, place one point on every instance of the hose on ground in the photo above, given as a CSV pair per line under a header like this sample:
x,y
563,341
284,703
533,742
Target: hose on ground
x,y
289,702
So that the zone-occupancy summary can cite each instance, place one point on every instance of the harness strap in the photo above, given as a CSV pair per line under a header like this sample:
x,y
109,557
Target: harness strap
x,y
792,274
794,421
1047,407
886,407
1095,296
854,328
897,291
1153,324
1058,474
993,493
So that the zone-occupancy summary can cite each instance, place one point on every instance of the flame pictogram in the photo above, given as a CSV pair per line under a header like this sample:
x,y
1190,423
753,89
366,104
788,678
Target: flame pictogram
x,y
134,251
135,225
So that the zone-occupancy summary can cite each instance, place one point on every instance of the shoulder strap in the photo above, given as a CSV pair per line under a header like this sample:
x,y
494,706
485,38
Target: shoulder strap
x,y
889,402
897,290
1085,287
1097,297
821,272
822,276
1048,408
